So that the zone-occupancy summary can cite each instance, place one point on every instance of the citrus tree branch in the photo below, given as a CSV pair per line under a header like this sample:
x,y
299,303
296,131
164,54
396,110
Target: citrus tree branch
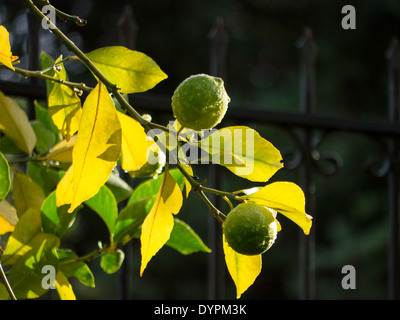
x,y
126,106
41,75
62,15
6,283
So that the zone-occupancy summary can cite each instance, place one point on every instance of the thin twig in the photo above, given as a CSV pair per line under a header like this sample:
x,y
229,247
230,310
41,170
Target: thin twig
x,y
41,75
6,283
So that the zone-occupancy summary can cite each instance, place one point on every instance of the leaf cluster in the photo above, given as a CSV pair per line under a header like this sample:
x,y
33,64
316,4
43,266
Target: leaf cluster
x,y
72,151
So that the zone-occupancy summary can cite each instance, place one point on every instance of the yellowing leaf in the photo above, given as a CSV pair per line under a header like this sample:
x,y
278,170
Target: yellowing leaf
x,y
134,143
28,226
65,109
5,180
288,199
157,226
27,193
97,147
6,56
64,288
8,217
62,151
64,106
132,71
64,190
15,123
244,152
243,269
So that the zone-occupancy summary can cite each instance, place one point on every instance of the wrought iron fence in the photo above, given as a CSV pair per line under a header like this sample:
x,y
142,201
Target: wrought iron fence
x,y
302,128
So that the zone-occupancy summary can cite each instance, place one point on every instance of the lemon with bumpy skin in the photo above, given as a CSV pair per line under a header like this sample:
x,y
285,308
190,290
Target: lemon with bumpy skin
x,y
250,229
200,102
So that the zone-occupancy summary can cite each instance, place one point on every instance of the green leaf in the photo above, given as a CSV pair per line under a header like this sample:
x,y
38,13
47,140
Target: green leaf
x,y
130,70
15,124
43,116
7,146
25,275
119,187
72,268
44,138
27,193
105,205
130,219
28,226
244,152
45,177
185,240
111,261
150,187
56,220
287,198
5,181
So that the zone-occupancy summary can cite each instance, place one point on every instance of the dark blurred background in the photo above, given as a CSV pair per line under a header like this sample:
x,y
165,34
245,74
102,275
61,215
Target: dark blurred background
x,y
262,72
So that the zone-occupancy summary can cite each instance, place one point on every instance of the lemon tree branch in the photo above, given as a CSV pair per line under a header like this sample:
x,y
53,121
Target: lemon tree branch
x,y
113,88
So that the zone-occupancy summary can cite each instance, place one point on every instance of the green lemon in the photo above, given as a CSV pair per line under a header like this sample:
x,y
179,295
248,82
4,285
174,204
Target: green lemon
x,y
200,102
250,229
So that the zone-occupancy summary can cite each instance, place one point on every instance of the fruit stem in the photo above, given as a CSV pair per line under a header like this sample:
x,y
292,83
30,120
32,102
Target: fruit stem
x,y
216,213
199,188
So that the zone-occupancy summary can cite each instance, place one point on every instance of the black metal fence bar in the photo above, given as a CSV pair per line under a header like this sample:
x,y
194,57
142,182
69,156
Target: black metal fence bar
x,y
216,265
393,56
307,107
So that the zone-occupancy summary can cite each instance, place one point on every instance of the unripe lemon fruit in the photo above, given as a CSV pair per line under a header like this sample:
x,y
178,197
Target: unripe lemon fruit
x,y
250,229
200,102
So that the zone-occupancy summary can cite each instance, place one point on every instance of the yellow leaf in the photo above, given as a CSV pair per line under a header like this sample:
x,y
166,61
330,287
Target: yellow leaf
x,y
8,217
157,226
243,269
27,193
15,123
6,56
62,151
64,288
64,190
97,147
134,144
64,105
244,152
288,199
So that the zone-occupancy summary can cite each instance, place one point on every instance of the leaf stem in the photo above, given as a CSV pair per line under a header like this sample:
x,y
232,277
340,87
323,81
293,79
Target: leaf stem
x,y
6,283
69,58
89,257
199,188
